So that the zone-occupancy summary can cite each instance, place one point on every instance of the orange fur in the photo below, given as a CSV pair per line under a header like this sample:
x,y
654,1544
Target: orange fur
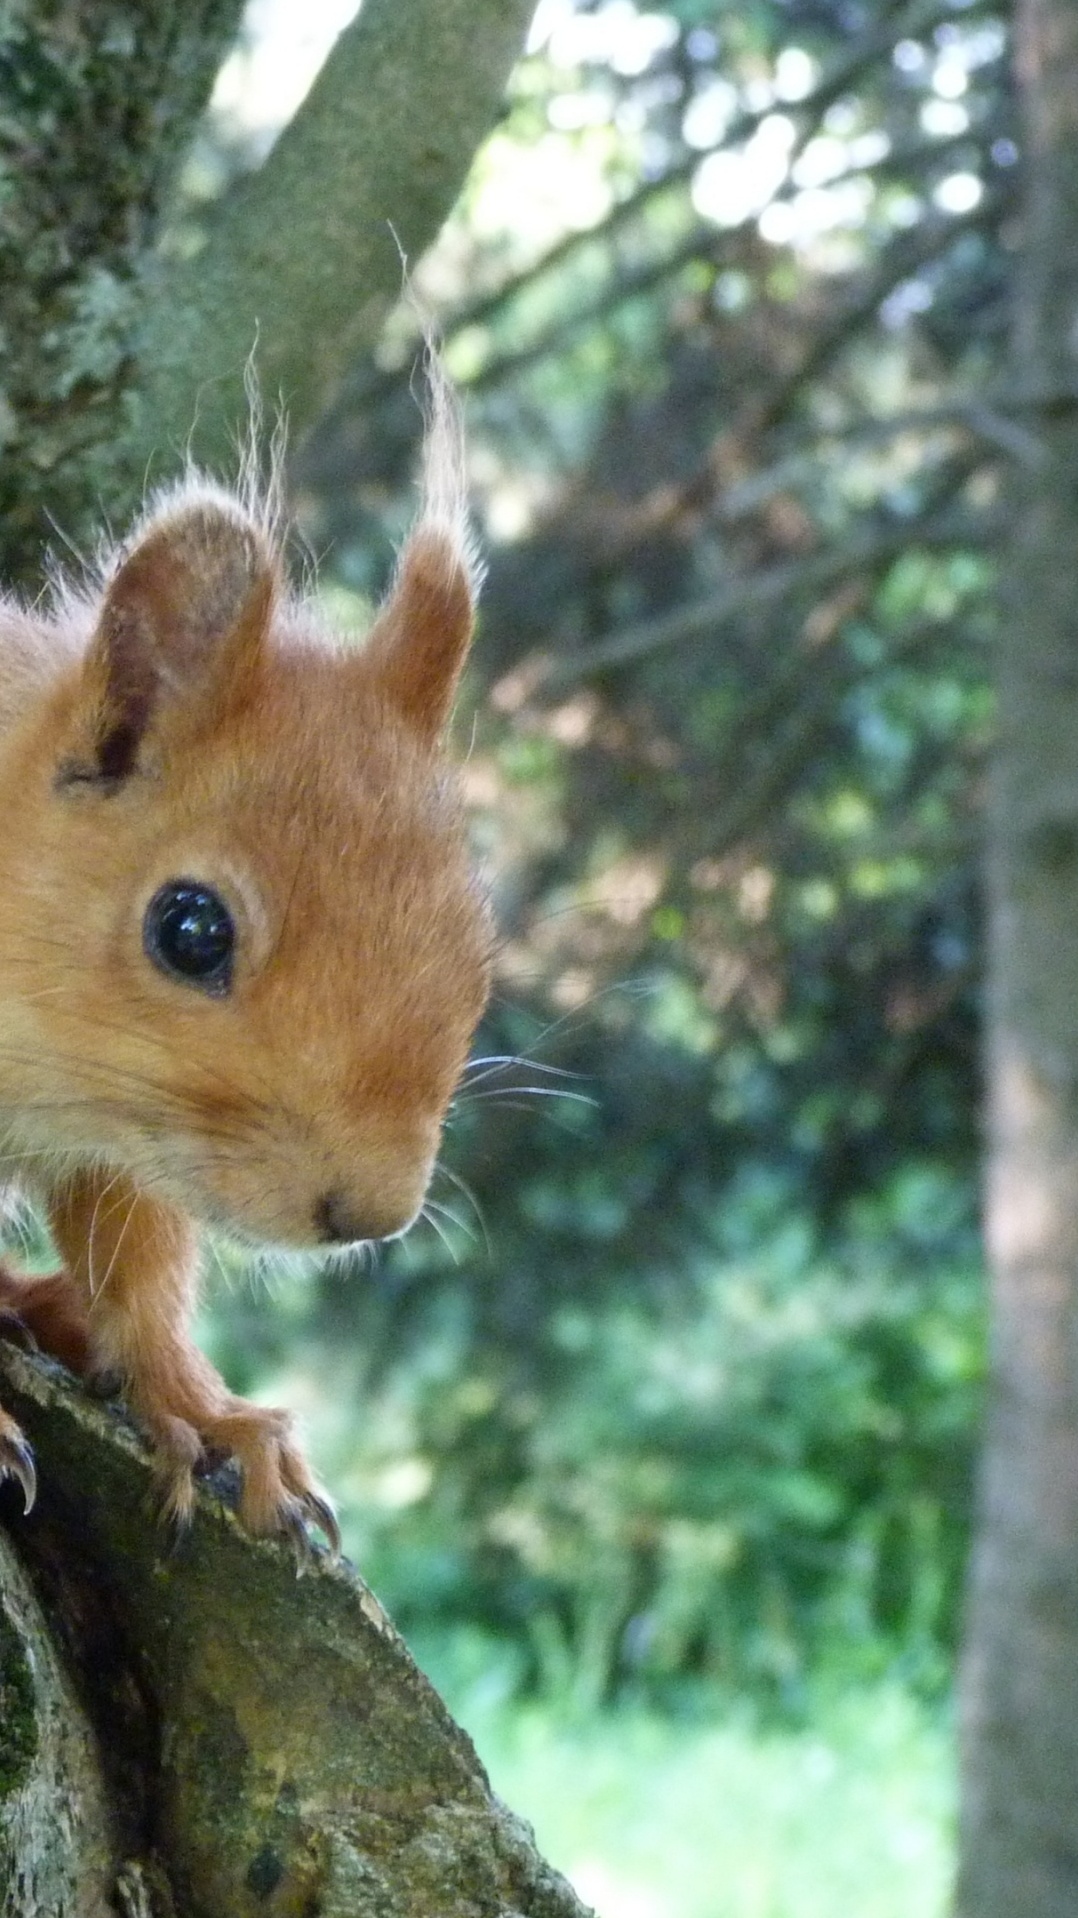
x,y
191,719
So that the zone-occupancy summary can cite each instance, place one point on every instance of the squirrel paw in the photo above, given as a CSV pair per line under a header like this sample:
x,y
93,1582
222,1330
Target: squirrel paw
x,y
17,1460
278,1493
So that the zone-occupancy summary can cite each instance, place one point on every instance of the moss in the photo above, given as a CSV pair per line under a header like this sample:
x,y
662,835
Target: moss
x,y
18,1711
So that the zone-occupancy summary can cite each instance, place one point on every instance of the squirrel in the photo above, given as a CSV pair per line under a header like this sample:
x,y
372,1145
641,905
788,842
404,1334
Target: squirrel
x,y
243,951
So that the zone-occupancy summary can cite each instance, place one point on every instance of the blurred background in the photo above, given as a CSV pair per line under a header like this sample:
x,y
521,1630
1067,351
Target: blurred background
x,y
656,1440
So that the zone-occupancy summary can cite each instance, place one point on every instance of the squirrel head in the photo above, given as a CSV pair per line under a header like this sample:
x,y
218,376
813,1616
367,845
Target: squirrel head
x,y
245,951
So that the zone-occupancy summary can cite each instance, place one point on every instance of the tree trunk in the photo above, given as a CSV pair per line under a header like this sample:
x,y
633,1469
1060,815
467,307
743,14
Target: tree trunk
x,y
1019,1835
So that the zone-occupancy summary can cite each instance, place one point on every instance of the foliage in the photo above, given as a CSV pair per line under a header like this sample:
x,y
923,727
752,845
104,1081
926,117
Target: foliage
x,y
725,1481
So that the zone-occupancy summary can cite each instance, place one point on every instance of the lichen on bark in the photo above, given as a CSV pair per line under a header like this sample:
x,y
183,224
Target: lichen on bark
x,y
96,103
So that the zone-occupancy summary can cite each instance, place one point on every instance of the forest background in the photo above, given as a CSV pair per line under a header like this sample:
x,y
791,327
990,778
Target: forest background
x,y
666,1419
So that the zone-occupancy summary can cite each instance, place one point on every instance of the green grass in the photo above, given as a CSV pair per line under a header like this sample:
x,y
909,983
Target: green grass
x,y
849,1817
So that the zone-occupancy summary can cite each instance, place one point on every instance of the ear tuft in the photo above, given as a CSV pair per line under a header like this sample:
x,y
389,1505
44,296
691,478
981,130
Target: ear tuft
x,y
420,639
180,627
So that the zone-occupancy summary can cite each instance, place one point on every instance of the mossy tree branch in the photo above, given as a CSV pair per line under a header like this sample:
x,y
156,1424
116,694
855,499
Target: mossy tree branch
x,y
245,1741
308,249
110,354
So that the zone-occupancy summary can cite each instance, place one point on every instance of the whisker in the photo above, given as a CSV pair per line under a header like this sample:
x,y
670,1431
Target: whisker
x,y
467,1193
446,1212
115,1252
500,1061
442,1234
468,1097
101,1197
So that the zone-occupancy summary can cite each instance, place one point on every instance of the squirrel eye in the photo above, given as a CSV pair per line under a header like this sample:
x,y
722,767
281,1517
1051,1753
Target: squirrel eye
x,y
189,934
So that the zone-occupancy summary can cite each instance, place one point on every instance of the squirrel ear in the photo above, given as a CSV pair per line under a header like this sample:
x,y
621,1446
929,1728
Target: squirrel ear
x,y
419,641
180,627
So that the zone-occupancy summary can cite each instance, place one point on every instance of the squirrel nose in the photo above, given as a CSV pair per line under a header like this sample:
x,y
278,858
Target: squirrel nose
x,y
337,1224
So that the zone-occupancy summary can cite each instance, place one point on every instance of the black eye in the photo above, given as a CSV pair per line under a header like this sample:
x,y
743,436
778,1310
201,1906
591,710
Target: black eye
x,y
189,934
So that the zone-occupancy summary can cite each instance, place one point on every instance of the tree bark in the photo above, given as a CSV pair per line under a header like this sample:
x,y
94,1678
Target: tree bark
x,y
307,252
220,1735
1019,1832
97,103
57,1842
114,361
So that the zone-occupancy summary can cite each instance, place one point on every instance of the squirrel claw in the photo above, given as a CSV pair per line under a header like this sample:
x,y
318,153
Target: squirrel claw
x,y
320,1512
295,1533
17,1462
299,1515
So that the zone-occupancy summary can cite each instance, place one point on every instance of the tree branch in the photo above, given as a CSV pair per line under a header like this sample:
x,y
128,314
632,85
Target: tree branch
x,y
705,243
306,252
277,1746
748,597
910,21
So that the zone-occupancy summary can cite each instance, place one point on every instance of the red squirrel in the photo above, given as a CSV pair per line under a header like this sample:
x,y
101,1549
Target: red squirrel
x,y
242,948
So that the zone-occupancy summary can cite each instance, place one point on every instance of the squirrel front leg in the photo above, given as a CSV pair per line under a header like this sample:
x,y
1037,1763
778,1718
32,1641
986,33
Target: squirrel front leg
x,y
134,1262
